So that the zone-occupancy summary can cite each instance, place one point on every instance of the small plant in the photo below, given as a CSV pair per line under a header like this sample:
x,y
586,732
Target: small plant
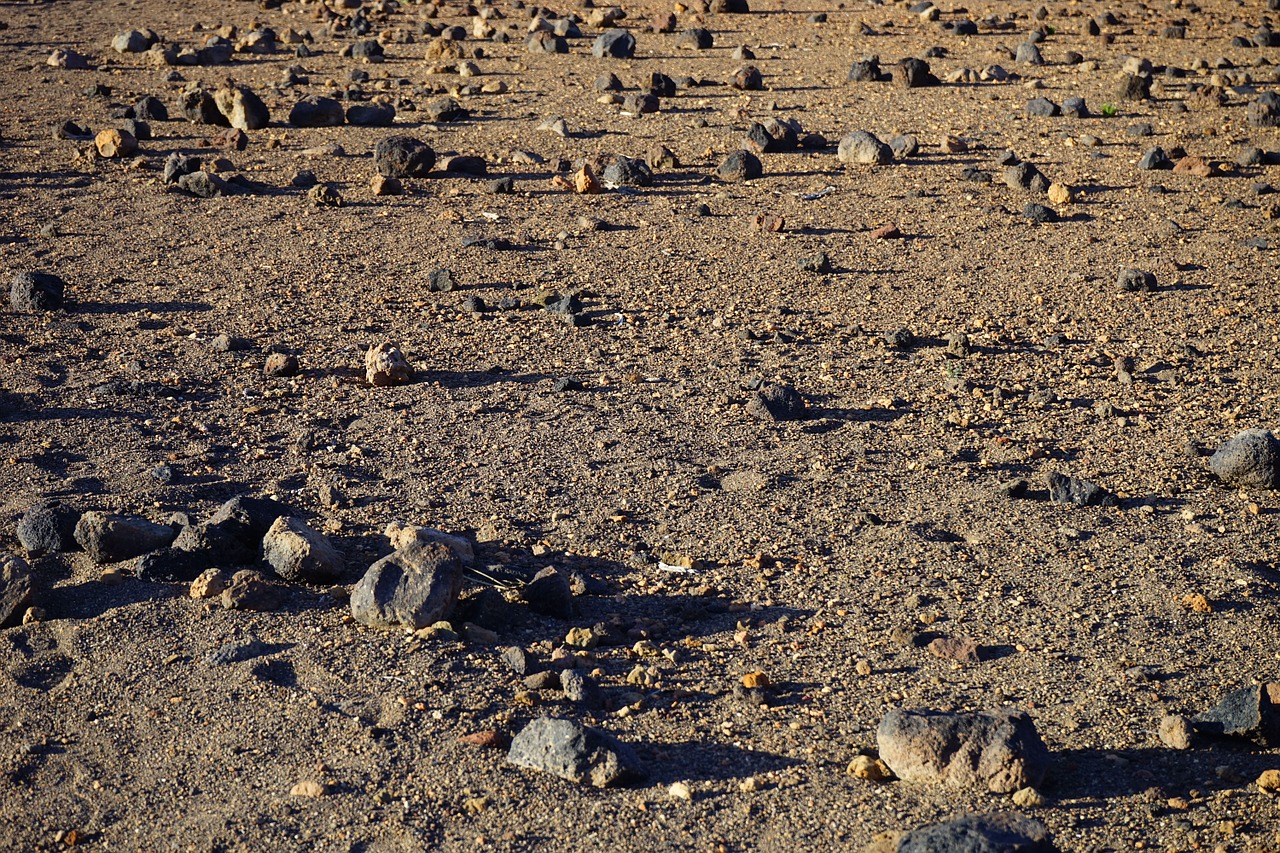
x,y
953,370
1051,31
1110,110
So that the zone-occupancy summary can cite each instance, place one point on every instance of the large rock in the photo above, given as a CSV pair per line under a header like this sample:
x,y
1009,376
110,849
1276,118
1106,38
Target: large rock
x,y
403,157
739,165
864,148
549,593
616,43
777,402
371,115
199,106
234,533
385,364
36,291
1000,751
110,538
571,751
1001,832
242,108
299,553
133,41
47,528
1250,459
1251,712
15,587
411,588
316,111
1264,111
1075,491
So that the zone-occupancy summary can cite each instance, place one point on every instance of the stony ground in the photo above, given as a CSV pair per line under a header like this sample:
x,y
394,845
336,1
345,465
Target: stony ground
x,y
623,444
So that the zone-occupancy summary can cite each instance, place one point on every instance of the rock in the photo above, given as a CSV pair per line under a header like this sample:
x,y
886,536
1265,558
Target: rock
x,y
281,364
1039,213
249,590
904,145
445,110
739,166
381,186
1250,459
1028,54
1000,832
999,751
1077,492
411,588
403,536
48,528
1075,108
403,157
549,594
1196,166
68,59
202,184
385,365
1153,159
110,538
36,291
777,402
1131,280
170,565
628,172
865,70
1134,87
150,108
864,148
440,281
640,104
233,534
1175,731
1025,176
747,79
133,41
914,74
817,262
1029,798
961,649
1043,107
571,751
697,38
371,115
113,142
1264,111
615,43
546,42
519,661
16,588
1250,712
870,768
299,553
315,111
1060,194
459,164
209,584
578,688
241,107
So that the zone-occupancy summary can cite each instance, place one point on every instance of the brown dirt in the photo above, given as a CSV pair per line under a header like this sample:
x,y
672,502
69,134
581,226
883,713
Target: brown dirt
x,y
812,540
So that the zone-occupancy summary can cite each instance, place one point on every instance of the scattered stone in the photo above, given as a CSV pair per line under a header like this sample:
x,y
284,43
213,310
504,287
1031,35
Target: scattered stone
x,y
549,594
961,649
383,186
615,43
281,364
1029,798
1134,87
308,788
571,751
325,195
904,145
1131,280
241,107
914,74
1043,107
68,59
864,148
16,587
1000,751
316,111
1250,459
36,291
371,115
114,142
1039,213
385,365
865,70
740,165
1154,159
1264,111
1077,492
697,38
1250,712
1000,832
445,110
233,534
628,172
133,41
201,184
410,588
817,262
777,402
48,528
1025,176
403,157
110,538
1176,731
747,79
299,553
210,583
870,768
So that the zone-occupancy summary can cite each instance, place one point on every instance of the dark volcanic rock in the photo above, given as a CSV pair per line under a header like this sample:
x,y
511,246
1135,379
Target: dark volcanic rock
x,y
628,172
549,594
1001,832
1264,111
403,157
777,402
1131,280
16,587
914,74
1249,459
865,70
48,528
371,115
571,751
616,43
234,533
36,291
1078,492
1251,712
110,538
410,588
739,166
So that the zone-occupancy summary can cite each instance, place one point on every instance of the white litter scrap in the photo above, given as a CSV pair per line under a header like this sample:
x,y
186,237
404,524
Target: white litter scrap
x,y
679,570
822,193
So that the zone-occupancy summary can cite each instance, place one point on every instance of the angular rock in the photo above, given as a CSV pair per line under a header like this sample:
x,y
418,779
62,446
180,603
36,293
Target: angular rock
x,y
999,751
1250,459
445,110
110,538
1264,111
202,184
150,108
615,43
249,590
549,594
371,115
904,145
48,528
1025,176
865,71
628,172
403,157
234,533
571,751
385,365
36,291
1134,87
1043,107
914,74
747,79
133,41
242,109
546,42
739,166
1077,492
16,587
1132,280
777,402
316,111
1175,731
411,588
199,107
299,553
172,565
1001,832
115,142
864,148
1028,54
698,38
1154,159
1251,712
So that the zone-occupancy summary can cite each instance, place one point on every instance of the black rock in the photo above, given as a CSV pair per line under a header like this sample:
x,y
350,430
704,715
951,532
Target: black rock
x,y
239,651
616,43
1039,213
202,184
172,565
199,107
914,74
176,165
1251,712
608,83
1025,176
549,594
865,71
110,538
1077,492
315,111
628,172
371,115
545,42
48,528
1075,108
440,281
1134,87
698,38
747,79
445,110
739,166
1042,107
900,338
777,402
150,108
234,533
1249,459
403,157
36,291
368,49
1131,280
661,86
817,262
641,104
1001,832
502,186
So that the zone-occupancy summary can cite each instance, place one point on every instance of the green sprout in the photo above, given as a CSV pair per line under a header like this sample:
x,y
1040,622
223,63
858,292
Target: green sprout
x,y
1110,110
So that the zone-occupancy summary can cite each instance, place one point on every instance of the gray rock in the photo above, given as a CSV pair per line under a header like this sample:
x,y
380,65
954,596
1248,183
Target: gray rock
x,y
199,106
411,588
1039,213
1025,176
316,111
202,184
777,402
519,661
176,165
628,172
110,538
371,115
172,565
615,43
36,291
904,145
403,157
1175,731
1153,159
133,41
1000,751
1249,459
549,594
445,110
1132,280
1075,108
578,688
48,528
242,108
1251,712
747,79
571,751
1001,832
150,108
739,166
16,587
234,533
1077,492
864,148
641,104
1028,54
545,42
299,553
237,652
818,262
1264,111
698,38
1042,107
865,70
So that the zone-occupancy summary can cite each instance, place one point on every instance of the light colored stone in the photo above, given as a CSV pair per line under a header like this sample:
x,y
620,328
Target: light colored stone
x,y
385,365
299,553
209,584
